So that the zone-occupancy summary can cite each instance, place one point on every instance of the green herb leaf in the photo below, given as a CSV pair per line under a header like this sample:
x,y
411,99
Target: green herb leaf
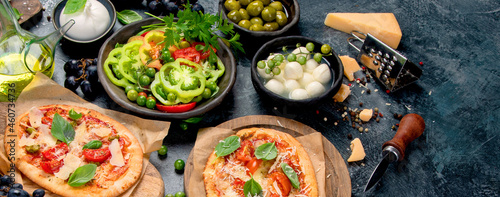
x,y
128,16
82,175
252,188
73,6
94,144
62,129
74,115
193,120
266,151
17,13
291,174
227,146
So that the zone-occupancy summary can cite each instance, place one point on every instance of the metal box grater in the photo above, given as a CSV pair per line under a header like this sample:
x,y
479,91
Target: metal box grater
x,y
390,67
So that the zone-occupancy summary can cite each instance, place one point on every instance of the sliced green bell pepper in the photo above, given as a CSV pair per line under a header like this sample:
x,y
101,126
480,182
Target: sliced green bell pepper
x,y
184,78
111,64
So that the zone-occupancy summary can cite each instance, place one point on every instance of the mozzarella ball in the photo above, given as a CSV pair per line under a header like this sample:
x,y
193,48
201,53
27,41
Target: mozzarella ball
x,y
291,85
275,86
301,50
306,79
322,73
293,70
310,65
315,89
299,94
263,74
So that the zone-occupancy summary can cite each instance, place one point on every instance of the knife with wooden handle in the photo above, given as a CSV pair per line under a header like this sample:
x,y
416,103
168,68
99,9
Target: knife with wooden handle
x,y
410,127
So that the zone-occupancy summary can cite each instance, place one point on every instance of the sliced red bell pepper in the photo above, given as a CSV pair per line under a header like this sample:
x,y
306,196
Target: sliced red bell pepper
x,y
179,108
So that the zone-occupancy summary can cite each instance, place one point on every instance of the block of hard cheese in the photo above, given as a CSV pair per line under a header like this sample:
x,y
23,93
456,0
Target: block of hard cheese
x,y
383,26
350,66
358,152
343,93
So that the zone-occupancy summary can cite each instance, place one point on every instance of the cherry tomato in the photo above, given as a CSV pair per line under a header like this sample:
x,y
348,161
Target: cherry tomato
x,y
283,182
176,108
189,53
253,165
97,155
143,93
55,152
51,166
244,153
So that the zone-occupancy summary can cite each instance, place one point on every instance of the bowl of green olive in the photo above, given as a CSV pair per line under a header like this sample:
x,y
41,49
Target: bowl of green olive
x,y
261,18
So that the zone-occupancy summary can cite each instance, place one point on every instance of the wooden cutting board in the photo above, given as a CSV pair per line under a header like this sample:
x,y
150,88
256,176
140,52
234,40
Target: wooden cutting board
x,y
338,181
27,8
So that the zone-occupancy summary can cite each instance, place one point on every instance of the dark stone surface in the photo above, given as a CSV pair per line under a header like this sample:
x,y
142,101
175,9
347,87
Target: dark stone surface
x,y
458,43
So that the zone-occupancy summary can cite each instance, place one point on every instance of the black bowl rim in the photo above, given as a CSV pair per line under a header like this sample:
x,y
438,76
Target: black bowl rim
x,y
56,23
197,111
298,103
264,33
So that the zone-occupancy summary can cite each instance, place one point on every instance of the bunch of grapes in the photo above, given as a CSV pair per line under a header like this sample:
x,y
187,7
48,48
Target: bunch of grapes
x,y
10,189
82,73
167,7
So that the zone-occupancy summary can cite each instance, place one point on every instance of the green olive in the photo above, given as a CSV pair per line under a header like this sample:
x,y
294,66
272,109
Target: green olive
x,y
265,2
184,44
257,20
33,148
245,2
268,14
245,24
271,26
244,14
276,5
232,5
234,16
281,18
255,8
256,27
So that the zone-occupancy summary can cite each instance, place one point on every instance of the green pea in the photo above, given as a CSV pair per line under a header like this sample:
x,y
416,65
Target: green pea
x,y
179,164
151,103
207,93
180,194
144,80
165,55
211,85
141,100
171,96
197,99
150,72
132,95
163,150
169,195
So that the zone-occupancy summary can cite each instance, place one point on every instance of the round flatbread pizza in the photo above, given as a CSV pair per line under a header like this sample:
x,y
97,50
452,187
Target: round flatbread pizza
x,y
259,162
74,151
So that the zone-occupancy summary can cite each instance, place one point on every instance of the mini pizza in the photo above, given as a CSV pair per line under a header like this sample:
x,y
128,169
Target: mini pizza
x,y
259,162
74,151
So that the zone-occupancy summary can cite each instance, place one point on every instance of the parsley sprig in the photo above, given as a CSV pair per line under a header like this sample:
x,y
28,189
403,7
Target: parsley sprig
x,y
197,26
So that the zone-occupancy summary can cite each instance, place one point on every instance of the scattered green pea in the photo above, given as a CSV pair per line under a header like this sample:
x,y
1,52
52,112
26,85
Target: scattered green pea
x,y
163,150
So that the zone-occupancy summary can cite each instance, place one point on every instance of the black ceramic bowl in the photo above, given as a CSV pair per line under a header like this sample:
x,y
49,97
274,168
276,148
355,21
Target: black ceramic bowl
x,y
275,45
116,93
293,15
56,13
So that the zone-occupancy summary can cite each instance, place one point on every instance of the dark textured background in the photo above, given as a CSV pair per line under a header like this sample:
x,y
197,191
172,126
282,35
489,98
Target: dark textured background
x,y
458,43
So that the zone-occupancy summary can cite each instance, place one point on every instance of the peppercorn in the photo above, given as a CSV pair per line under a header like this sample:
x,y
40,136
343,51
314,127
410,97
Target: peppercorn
x,y
400,116
368,91
349,136
376,109
395,115
353,125
360,129
381,115
378,119
361,104
352,113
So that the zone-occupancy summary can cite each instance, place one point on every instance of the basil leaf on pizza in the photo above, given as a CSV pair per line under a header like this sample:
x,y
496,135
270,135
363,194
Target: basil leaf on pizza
x,y
82,175
62,129
252,188
227,146
94,144
74,115
266,151
291,174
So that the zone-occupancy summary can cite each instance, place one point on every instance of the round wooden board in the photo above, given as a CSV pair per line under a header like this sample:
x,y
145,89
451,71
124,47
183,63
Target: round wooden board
x,y
338,182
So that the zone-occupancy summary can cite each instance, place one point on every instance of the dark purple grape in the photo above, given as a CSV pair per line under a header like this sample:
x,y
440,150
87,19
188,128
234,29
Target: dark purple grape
x,y
71,67
15,192
197,8
87,89
171,8
4,188
39,193
6,180
71,83
91,72
156,8
181,2
17,185
79,73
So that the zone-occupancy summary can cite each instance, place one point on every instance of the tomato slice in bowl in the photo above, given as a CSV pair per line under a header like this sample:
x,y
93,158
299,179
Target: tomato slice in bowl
x,y
179,108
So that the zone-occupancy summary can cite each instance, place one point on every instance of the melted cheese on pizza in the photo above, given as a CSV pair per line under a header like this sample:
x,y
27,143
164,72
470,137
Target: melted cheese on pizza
x,y
231,172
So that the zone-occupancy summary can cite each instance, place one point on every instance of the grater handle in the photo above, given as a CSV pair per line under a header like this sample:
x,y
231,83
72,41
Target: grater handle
x,y
350,40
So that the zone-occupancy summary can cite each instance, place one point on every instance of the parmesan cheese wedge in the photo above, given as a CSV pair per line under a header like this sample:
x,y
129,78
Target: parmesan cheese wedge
x,y
366,115
116,154
358,152
343,93
45,137
350,66
102,132
383,26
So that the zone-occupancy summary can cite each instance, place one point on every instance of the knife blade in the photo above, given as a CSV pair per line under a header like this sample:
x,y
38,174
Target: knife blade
x,y
410,127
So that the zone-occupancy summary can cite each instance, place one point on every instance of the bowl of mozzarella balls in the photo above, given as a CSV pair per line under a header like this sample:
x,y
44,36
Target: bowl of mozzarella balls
x,y
296,71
